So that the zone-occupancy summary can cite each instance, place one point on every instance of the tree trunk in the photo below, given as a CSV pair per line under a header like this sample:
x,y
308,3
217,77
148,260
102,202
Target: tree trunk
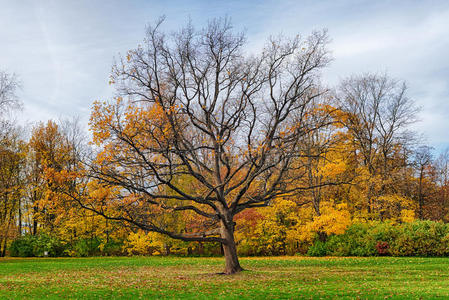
x,y
232,264
322,236
420,195
5,240
20,218
167,249
1,249
35,214
200,248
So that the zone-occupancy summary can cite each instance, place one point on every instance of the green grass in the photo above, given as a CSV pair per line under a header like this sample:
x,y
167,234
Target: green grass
x,y
195,278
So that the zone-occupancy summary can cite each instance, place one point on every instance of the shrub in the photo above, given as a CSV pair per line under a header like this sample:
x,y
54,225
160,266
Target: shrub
x,y
22,246
144,243
86,247
318,248
382,248
354,242
419,238
422,238
36,245
112,247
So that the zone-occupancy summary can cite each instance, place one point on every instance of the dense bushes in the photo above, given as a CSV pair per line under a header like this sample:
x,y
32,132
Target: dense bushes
x,y
420,238
46,245
138,243
36,245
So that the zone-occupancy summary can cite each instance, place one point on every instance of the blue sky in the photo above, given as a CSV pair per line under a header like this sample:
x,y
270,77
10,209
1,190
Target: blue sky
x,y
63,50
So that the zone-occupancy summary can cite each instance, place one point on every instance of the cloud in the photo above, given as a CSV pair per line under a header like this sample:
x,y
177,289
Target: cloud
x,y
63,51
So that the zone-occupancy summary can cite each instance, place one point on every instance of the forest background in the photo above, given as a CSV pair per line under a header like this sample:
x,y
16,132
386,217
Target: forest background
x,y
361,181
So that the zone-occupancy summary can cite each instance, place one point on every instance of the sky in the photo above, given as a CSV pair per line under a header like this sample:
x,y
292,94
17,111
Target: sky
x,y
63,51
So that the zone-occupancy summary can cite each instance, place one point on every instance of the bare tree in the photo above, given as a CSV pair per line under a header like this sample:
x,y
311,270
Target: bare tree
x,y
8,88
378,113
318,147
423,159
441,165
232,126
11,160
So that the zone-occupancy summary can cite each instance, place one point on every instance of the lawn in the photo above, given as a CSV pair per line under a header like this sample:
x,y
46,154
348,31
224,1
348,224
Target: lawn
x,y
195,278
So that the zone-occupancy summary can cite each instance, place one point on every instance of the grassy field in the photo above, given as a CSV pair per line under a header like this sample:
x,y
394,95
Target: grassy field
x,y
195,278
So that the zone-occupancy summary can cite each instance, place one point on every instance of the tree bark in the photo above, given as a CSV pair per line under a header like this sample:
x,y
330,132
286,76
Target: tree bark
x,y
34,213
322,236
20,218
5,241
232,264
420,195
167,249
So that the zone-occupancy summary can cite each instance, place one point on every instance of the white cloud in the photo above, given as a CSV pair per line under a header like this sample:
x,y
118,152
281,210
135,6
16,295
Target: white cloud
x,y
63,50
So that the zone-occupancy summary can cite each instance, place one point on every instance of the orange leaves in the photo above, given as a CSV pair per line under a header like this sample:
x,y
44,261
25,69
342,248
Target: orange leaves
x,y
48,143
333,168
101,119
98,191
146,123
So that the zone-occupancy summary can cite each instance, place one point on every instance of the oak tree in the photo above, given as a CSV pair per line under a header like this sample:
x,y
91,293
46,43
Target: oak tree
x,y
194,107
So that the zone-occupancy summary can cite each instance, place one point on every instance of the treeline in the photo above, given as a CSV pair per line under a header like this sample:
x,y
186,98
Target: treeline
x,y
366,168
203,144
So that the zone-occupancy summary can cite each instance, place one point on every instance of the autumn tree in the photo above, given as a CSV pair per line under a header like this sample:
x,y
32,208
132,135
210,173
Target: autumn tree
x,y
11,161
54,158
12,185
378,113
45,148
422,162
193,107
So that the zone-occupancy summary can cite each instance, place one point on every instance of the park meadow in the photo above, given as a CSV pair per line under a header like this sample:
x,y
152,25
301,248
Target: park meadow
x,y
197,278
220,170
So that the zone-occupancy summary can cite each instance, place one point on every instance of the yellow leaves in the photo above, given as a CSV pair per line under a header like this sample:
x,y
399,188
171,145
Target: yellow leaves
x,y
333,220
47,142
333,168
101,120
407,215
395,207
99,193
142,243
395,199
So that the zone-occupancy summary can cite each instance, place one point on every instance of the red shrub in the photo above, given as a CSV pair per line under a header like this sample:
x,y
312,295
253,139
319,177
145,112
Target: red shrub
x,y
382,248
